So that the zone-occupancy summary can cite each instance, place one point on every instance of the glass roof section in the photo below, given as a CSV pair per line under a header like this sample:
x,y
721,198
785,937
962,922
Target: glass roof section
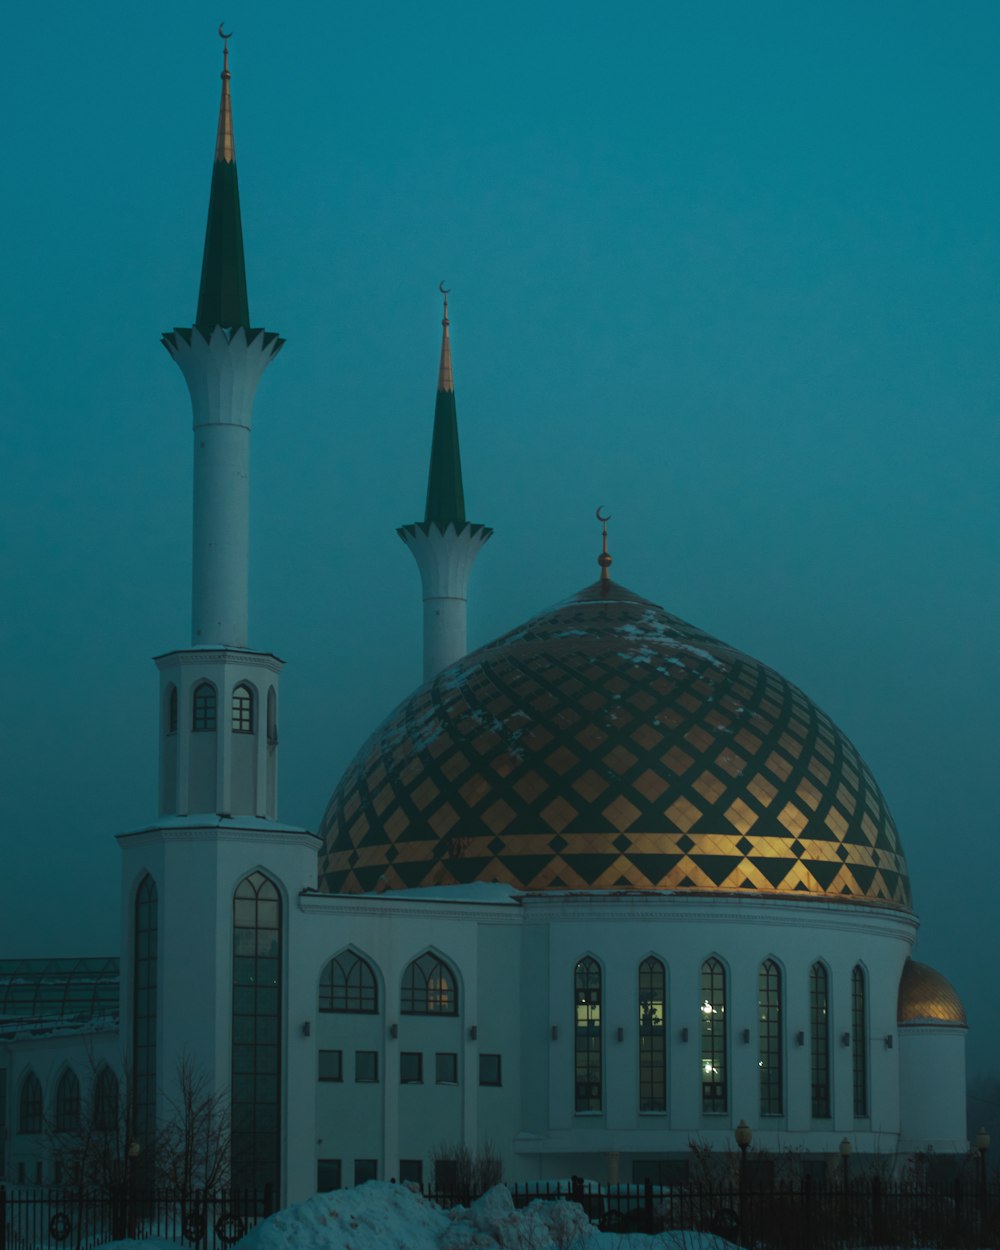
x,y
58,989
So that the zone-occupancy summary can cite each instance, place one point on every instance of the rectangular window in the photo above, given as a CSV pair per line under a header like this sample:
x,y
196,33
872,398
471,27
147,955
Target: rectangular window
x,y
489,1070
446,1069
411,1067
365,1170
327,1175
331,1065
366,1065
411,1171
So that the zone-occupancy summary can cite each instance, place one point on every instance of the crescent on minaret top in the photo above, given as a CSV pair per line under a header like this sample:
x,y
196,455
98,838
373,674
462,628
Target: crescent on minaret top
x,y
445,290
603,519
222,33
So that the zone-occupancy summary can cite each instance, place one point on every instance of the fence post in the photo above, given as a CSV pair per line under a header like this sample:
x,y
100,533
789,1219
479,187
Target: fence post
x,y
647,1194
876,1207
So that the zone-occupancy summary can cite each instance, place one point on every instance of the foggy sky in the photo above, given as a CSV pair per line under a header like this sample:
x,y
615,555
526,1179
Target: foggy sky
x,y
730,271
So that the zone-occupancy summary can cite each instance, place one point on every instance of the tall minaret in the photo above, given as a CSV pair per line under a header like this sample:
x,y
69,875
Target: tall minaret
x,y
219,723
444,544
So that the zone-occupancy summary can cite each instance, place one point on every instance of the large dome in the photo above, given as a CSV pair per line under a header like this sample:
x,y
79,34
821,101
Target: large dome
x,y
606,745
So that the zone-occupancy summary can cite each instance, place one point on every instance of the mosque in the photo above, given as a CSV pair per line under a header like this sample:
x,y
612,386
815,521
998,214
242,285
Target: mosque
x,y
602,888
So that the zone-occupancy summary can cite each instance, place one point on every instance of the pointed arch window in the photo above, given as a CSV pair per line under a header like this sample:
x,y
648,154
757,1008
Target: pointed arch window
x,y
171,709
819,1040
68,1102
242,710
587,1034
204,711
272,717
106,1101
771,1060
29,1118
256,1067
429,988
348,984
714,1082
652,1035
859,1041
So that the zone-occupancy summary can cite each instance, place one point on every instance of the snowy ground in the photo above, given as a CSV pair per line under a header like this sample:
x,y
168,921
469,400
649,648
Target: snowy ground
x,y
381,1216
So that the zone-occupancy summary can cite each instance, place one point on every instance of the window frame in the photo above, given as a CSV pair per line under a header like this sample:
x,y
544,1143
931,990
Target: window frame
x,y
204,709
588,1037
819,1041
714,1037
31,1105
241,709
349,988
369,1056
499,1066
334,1064
446,1055
411,1067
429,988
652,1036
770,1038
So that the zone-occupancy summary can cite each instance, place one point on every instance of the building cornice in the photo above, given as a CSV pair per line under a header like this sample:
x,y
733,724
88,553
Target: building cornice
x,y
195,656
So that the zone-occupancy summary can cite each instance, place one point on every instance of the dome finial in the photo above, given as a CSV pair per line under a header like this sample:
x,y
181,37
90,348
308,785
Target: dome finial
x,y
225,144
604,560
446,381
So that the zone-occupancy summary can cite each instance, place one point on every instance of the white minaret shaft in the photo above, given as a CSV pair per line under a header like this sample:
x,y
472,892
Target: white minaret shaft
x,y
444,544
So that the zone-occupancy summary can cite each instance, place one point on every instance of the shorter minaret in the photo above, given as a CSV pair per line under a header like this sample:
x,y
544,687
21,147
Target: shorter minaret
x,y
444,544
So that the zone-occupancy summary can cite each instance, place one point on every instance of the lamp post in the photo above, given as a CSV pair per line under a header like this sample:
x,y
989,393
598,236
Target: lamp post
x,y
845,1153
134,1150
743,1137
982,1145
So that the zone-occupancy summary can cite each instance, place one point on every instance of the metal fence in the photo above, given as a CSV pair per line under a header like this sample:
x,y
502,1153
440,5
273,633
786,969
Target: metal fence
x,y
802,1215
73,1219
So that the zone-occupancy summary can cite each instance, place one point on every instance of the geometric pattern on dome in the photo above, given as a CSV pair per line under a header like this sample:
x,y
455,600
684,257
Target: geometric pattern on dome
x,y
927,997
608,745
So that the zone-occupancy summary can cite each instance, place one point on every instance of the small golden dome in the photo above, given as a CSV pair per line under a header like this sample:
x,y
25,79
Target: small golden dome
x,y
607,745
926,997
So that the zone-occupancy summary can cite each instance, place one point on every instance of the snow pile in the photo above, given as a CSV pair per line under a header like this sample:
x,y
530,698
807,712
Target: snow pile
x,y
382,1216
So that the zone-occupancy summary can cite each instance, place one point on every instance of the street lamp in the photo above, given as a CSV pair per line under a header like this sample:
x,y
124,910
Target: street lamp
x,y
845,1153
743,1137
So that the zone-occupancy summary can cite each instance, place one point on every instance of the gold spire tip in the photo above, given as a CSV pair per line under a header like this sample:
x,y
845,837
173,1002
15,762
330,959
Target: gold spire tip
x,y
604,560
225,144
446,381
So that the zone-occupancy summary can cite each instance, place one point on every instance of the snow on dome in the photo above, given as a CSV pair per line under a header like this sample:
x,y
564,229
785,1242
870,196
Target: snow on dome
x,y
607,745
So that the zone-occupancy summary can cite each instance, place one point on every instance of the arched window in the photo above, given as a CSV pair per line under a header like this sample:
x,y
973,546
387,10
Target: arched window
x,y
859,1041
769,1036
429,988
204,709
272,717
347,983
819,1039
714,1090
144,1016
256,1069
652,1036
171,709
106,1101
29,1118
587,1034
68,1103
242,710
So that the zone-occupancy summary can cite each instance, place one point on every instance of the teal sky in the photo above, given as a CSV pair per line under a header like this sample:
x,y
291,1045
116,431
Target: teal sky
x,y
730,270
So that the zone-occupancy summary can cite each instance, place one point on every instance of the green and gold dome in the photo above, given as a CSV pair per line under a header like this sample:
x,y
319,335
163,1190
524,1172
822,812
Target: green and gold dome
x,y
607,745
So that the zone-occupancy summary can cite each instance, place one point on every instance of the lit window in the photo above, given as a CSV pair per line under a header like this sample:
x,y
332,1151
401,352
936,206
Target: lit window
x,y
411,1068
446,1069
203,712
347,983
30,1111
652,1036
769,1036
859,1041
366,1066
819,1037
429,988
242,710
587,1035
489,1070
714,1091
331,1068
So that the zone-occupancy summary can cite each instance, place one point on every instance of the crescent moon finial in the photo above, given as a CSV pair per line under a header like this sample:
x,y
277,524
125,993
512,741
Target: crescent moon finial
x,y
604,560
222,33
445,290
603,519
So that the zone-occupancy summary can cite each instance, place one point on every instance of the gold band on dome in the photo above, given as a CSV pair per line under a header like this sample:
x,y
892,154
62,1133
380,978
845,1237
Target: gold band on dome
x,y
606,745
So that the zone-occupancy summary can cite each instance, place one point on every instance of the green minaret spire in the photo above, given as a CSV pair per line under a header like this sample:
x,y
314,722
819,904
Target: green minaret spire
x,y
222,298
445,496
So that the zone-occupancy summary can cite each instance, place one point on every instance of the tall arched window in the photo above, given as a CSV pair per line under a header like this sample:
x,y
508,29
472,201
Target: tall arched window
x,y
242,710
272,717
347,983
652,1035
68,1103
29,1118
587,1034
769,1036
256,1071
171,709
714,1088
819,1039
859,1041
106,1101
429,988
203,712
144,1016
